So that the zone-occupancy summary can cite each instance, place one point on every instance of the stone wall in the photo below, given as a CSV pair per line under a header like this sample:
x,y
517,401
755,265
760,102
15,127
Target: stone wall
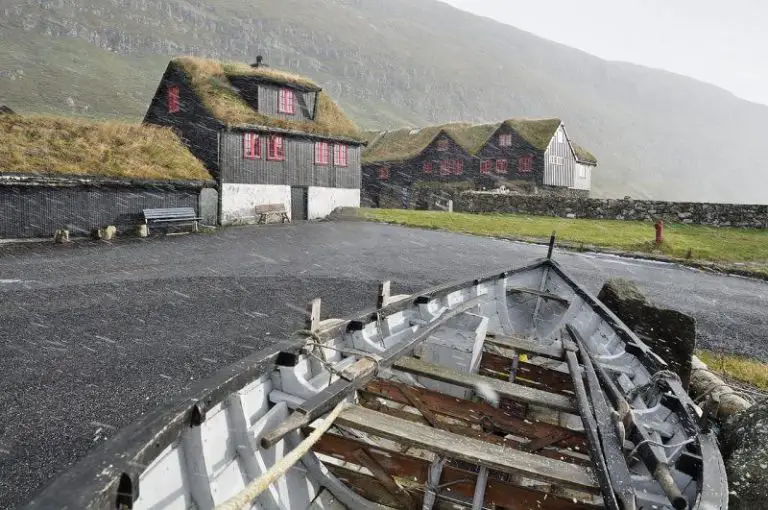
x,y
737,215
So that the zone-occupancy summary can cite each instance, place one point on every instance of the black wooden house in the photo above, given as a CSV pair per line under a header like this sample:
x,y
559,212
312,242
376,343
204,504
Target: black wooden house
x,y
268,137
525,153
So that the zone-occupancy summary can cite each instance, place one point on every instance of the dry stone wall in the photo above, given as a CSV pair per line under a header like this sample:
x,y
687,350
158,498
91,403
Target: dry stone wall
x,y
723,215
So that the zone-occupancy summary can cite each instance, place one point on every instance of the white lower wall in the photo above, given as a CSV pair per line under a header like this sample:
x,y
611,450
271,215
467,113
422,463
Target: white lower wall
x,y
322,201
582,176
238,201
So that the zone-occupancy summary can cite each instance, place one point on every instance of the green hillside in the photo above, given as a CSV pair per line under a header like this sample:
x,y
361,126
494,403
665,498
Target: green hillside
x,y
389,64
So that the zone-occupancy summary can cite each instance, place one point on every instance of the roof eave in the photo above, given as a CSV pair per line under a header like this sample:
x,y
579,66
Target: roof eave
x,y
293,132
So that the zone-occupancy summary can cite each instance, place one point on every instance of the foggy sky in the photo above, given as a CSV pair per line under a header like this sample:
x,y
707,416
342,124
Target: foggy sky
x,y
720,42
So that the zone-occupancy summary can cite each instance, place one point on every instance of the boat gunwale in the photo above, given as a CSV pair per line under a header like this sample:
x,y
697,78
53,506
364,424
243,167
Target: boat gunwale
x,y
92,482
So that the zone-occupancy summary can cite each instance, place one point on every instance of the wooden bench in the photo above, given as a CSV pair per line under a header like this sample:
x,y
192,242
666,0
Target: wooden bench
x,y
266,209
185,215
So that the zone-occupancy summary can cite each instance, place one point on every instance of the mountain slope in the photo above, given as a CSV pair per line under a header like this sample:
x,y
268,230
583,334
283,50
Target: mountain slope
x,y
394,63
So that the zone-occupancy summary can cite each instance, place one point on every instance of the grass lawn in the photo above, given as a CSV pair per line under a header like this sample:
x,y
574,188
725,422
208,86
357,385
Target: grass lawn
x,y
683,241
738,368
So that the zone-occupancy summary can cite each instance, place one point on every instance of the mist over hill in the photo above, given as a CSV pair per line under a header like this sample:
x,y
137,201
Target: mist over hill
x,y
393,63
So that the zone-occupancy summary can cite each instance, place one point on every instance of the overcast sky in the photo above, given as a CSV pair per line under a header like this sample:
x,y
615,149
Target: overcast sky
x,y
717,41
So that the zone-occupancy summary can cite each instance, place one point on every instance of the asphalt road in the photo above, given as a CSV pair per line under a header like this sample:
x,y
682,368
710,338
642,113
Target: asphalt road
x,y
93,335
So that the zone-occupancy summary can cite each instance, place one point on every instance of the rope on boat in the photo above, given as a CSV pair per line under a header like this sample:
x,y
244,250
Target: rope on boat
x,y
244,499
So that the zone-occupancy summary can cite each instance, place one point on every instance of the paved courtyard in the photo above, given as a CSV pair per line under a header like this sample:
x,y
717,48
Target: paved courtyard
x,y
93,335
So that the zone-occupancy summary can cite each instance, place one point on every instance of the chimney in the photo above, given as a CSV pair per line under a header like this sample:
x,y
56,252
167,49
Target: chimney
x,y
259,60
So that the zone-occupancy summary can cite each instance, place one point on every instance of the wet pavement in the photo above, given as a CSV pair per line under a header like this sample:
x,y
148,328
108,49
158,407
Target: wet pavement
x,y
94,334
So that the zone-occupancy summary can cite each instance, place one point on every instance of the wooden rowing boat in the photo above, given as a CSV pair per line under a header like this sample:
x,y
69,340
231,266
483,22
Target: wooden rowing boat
x,y
517,390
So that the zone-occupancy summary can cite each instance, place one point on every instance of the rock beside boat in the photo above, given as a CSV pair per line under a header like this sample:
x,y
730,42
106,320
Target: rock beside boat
x,y
745,449
671,334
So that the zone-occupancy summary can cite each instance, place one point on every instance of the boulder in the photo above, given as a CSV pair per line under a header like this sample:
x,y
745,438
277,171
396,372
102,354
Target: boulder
x,y
744,440
61,236
109,233
669,333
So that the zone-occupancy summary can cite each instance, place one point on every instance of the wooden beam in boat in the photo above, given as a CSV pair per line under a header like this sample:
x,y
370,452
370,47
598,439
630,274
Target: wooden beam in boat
x,y
544,295
529,346
468,449
527,374
464,430
498,492
505,389
365,459
488,417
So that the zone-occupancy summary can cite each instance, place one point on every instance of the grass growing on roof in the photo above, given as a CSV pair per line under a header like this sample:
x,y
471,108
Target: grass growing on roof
x,y
583,154
65,146
209,79
537,132
705,243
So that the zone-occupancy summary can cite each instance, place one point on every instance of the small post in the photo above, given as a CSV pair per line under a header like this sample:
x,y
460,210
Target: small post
x,y
551,245
659,232
313,321
450,206
384,294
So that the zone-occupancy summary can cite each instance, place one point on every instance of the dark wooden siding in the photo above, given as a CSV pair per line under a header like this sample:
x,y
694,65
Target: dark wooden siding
x,y
298,169
562,172
269,97
492,151
38,211
193,123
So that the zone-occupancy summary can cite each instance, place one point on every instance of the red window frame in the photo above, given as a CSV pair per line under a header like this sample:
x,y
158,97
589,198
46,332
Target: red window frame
x,y
174,102
322,156
505,140
486,166
501,166
286,101
340,155
442,144
276,148
458,166
525,165
251,146
428,167
383,173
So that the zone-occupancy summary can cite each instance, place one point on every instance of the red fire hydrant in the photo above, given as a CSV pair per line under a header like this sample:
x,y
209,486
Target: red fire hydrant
x,y
659,232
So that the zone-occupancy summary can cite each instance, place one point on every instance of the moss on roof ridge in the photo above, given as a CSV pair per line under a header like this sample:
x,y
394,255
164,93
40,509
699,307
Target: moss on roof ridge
x,y
537,132
399,144
583,154
64,146
209,80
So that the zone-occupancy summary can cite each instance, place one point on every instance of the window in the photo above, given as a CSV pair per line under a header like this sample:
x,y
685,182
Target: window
x,y
556,160
501,166
173,99
525,165
486,166
505,140
442,144
340,153
582,172
427,167
275,148
287,102
383,173
321,153
251,146
560,136
451,167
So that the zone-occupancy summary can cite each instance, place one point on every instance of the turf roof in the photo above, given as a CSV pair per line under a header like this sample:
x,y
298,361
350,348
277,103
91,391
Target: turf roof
x,y
584,155
61,146
407,143
210,81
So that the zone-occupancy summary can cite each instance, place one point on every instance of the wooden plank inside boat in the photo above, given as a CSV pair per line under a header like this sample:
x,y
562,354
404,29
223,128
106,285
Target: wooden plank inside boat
x,y
526,374
489,418
505,389
468,449
403,466
544,295
528,346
